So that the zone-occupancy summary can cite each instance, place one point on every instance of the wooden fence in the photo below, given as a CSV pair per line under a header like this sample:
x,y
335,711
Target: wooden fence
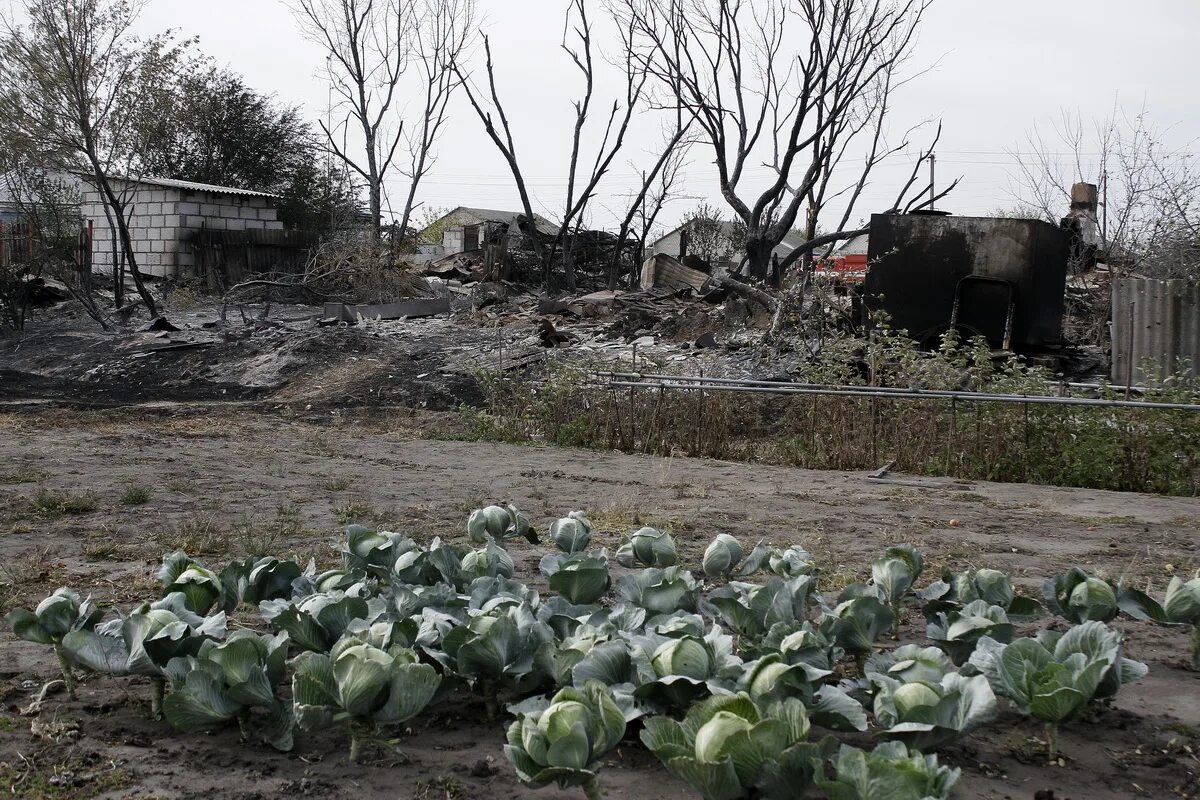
x,y
226,258
19,244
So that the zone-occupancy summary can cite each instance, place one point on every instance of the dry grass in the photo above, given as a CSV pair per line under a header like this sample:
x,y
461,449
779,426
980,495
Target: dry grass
x,y
197,535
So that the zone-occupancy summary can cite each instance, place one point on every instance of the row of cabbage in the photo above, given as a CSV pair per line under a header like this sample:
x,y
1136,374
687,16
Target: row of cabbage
x,y
723,676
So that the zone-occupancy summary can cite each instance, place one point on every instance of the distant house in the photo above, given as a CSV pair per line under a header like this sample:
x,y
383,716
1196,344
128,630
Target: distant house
x,y
466,229
729,252
163,214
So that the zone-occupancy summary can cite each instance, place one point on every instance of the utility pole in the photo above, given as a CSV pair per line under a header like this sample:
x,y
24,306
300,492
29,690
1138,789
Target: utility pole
x,y
1104,218
932,177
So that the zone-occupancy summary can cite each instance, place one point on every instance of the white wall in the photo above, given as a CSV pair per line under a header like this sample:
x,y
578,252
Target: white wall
x,y
161,217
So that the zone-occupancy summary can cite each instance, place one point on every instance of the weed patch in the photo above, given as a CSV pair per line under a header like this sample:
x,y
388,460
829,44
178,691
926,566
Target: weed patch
x,y
49,504
135,496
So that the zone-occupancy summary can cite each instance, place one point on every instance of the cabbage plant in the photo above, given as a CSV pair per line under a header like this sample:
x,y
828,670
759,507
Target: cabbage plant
x,y
200,586
1054,677
55,617
909,663
894,573
362,685
315,622
497,649
572,533
1182,606
226,681
499,523
889,772
581,578
682,666
791,563
956,590
731,747
750,609
722,556
374,552
772,678
929,714
957,631
144,642
489,561
253,580
659,591
650,547
858,620
1079,597
565,743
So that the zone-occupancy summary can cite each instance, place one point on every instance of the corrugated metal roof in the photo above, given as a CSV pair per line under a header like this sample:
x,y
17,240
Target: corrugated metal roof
x,y
191,186
1157,320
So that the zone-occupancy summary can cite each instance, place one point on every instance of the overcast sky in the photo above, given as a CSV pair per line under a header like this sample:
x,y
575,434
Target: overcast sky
x,y
997,70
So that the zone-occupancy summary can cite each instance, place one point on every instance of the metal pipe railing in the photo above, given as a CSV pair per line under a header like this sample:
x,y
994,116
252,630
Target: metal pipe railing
x,y
692,382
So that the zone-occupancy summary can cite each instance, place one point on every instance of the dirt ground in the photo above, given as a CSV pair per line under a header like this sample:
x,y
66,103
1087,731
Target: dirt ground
x,y
221,482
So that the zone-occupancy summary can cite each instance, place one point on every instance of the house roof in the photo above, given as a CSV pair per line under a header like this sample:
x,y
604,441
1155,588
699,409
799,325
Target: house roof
x,y
544,225
190,186
791,239
170,183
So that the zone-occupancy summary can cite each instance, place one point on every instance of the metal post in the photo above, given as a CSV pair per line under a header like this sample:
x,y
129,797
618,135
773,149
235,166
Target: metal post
x,y
932,177
1129,357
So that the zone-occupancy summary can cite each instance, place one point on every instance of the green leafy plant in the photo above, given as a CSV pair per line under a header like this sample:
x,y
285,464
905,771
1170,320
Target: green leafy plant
x,y
357,683
731,747
648,547
1182,606
53,619
200,586
954,591
894,574
1079,597
889,772
581,578
497,649
565,743
659,591
499,523
675,668
751,610
253,580
722,556
226,681
572,533
859,619
1055,676
315,622
957,631
489,561
144,642
927,714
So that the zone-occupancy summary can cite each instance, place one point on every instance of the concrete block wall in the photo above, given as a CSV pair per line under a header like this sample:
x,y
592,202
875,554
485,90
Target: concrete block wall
x,y
161,217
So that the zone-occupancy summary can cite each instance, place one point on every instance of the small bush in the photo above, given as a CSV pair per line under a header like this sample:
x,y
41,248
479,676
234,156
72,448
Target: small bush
x,y
52,505
135,496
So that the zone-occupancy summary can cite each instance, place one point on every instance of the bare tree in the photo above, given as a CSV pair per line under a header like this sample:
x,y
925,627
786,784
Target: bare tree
x,y
445,30
583,175
369,49
68,82
1149,191
654,192
787,82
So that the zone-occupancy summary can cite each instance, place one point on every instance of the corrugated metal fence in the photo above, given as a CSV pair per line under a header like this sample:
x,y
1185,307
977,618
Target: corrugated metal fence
x,y
1155,320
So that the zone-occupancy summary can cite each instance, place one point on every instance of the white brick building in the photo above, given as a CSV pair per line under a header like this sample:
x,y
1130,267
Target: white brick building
x,y
162,212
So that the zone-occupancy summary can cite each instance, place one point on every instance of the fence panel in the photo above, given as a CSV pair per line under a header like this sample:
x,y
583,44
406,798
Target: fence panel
x,y
1158,320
